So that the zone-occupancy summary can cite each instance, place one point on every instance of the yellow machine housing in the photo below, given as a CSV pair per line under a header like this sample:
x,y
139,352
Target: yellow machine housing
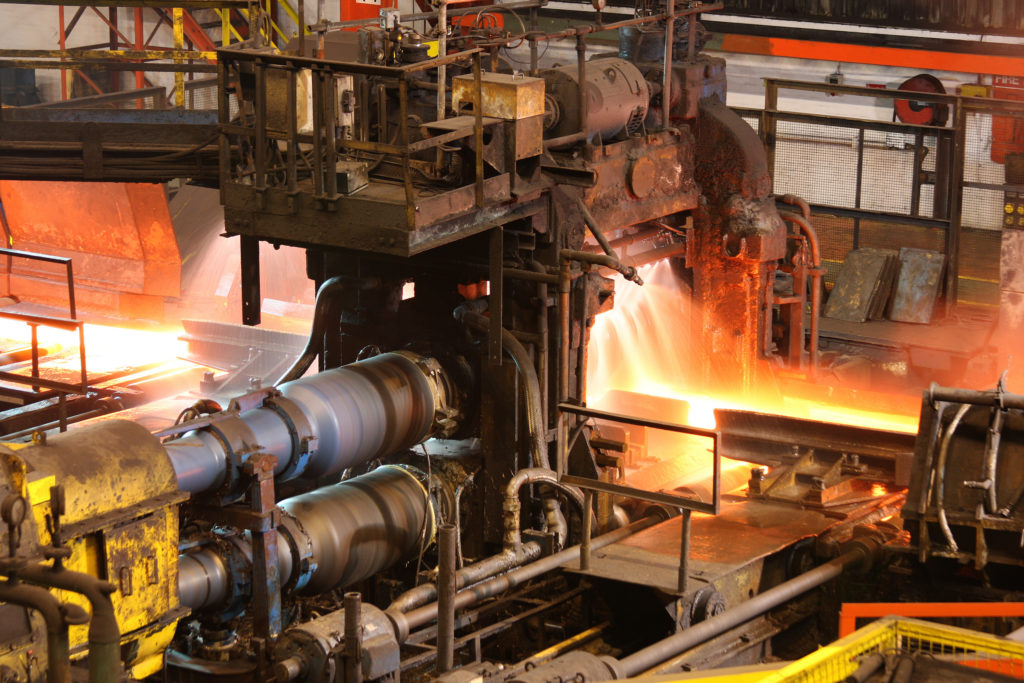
x,y
121,524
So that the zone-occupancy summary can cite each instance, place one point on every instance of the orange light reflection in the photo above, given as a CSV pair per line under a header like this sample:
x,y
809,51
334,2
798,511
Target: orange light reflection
x,y
642,346
108,349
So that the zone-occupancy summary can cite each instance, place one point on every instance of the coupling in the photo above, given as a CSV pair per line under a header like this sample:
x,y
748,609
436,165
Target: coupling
x,y
316,426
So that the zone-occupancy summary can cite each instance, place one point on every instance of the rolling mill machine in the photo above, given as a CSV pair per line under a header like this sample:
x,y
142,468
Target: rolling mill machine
x,y
435,499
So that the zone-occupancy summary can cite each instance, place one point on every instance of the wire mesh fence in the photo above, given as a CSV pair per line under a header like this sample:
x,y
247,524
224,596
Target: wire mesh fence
x,y
934,652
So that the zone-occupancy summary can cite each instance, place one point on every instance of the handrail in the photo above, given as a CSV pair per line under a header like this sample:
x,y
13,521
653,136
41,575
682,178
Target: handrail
x,y
47,258
35,321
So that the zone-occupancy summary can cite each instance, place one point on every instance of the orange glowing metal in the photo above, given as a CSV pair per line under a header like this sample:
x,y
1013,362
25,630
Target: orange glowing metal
x,y
643,345
108,348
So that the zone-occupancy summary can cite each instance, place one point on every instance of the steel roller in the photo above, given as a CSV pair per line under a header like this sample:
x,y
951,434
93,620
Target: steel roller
x,y
317,426
332,537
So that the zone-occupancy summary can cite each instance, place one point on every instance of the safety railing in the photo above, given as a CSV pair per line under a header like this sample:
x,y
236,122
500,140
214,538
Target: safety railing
x,y
71,323
888,184
851,611
285,155
685,505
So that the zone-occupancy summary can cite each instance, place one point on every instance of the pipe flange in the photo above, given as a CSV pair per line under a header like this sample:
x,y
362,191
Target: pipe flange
x,y
301,547
429,532
300,431
239,443
446,413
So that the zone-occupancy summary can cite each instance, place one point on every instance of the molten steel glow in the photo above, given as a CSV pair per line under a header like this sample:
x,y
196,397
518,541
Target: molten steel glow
x,y
108,349
643,346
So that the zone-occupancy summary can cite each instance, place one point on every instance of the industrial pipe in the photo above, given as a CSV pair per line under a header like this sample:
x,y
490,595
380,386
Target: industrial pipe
x,y
797,201
816,274
534,415
585,667
588,218
940,476
58,652
104,633
536,424
511,506
995,397
652,655
331,537
321,316
467,576
446,599
404,623
629,272
319,425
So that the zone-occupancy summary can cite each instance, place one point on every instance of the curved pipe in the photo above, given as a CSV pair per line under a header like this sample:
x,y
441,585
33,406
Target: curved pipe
x,y
799,202
628,271
58,649
322,314
940,475
534,413
511,506
995,433
104,633
816,275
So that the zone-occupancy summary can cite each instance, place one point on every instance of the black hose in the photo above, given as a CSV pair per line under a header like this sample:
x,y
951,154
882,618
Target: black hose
x,y
322,314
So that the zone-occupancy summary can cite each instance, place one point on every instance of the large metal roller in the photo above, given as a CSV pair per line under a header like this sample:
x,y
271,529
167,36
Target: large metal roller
x,y
319,425
330,538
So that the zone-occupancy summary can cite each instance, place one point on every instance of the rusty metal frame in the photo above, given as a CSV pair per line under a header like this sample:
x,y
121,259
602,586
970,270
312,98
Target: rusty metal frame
x,y
35,381
667,499
47,258
956,132
325,146
684,505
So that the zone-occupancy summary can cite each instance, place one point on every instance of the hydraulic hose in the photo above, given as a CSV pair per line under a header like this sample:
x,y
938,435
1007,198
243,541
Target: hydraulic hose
x,y
322,315
534,414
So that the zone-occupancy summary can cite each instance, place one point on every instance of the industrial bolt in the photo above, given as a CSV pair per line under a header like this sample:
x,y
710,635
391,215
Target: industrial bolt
x,y
758,473
818,483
